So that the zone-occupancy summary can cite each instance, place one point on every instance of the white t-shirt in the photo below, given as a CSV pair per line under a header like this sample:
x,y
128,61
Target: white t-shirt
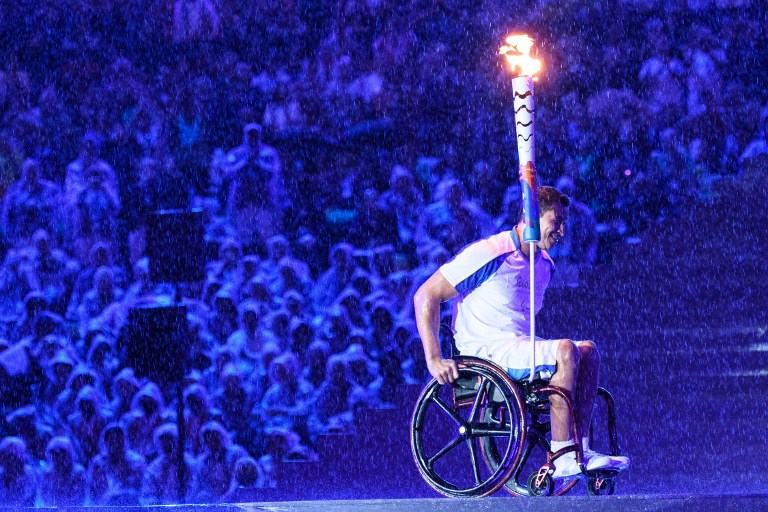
x,y
492,277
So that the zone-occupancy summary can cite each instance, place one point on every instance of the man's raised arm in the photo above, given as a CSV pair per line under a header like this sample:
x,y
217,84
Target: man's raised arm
x,y
427,305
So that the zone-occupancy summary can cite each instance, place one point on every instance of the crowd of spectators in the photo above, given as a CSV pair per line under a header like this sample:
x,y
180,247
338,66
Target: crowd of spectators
x,y
341,151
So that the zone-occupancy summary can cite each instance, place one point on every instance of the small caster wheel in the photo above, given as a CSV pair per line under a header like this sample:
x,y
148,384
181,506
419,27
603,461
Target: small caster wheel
x,y
600,486
541,484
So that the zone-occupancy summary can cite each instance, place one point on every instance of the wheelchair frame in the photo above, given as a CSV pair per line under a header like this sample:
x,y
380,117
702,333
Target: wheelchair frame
x,y
488,408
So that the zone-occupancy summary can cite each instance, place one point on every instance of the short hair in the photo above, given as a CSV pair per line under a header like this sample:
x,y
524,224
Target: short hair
x,y
547,197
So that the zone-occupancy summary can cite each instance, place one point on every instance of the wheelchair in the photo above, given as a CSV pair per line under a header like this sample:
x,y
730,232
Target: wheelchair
x,y
498,425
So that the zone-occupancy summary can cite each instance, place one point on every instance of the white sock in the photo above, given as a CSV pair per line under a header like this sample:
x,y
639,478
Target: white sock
x,y
556,446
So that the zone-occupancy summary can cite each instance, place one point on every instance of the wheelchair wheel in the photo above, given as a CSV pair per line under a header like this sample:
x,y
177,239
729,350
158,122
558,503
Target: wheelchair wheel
x,y
601,486
451,421
540,485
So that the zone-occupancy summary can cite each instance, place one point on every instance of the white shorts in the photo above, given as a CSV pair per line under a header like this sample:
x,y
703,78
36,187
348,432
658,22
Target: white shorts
x,y
514,355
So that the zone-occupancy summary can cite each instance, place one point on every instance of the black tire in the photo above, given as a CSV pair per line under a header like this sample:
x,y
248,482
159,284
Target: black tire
x,y
451,421
540,486
606,488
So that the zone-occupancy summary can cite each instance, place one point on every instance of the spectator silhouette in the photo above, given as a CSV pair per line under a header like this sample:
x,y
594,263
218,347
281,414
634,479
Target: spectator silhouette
x,y
62,479
235,400
25,424
405,201
96,300
89,159
286,402
331,282
161,480
115,474
86,423
223,319
197,412
336,398
453,220
29,204
249,340
125,385
95,215
65,404
302,336
49,271
315,368
336,329
17,479
147,413
216,462
248,475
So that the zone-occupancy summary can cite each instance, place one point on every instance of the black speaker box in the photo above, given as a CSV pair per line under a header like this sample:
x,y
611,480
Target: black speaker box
x,y
155,341
175,245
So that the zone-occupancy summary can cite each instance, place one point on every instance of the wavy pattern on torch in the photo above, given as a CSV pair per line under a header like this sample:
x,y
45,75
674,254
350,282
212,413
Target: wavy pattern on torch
x,y
526,139
525,106
524,95
526,125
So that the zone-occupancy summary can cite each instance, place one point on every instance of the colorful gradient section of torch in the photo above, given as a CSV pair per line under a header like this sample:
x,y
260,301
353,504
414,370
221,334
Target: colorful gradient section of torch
x,y
517,50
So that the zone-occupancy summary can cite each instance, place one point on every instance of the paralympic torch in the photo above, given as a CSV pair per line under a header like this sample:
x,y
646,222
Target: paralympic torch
x,y
517,50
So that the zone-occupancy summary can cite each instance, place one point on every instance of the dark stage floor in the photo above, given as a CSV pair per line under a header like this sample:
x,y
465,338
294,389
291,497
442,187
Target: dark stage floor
x,y
703,503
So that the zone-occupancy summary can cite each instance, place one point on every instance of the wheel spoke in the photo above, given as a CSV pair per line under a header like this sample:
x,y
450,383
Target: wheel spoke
x,y
481,431
450,412
481,391
456,441
475,465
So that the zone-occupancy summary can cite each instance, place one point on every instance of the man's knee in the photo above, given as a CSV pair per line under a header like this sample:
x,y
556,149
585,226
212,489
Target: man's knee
x,y
568,354
588,351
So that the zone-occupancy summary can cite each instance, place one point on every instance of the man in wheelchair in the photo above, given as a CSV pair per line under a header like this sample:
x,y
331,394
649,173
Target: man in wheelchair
x,y
489,280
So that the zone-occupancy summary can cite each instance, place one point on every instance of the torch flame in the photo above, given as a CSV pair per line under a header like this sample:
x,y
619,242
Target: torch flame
x,y
518,54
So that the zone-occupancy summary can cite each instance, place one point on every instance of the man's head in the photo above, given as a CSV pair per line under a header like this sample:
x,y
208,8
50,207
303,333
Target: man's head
x,y
252,135
90,146
94,177
60,454
103,280
248,473
553,213
30,171
42,242
166,438
113,439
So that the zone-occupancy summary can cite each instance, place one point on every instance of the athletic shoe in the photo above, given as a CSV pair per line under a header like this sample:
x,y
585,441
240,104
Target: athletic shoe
x,y
597,460
566,465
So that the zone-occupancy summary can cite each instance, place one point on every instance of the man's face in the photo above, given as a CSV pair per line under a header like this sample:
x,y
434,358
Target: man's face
x,y
115,443
87,408
31,172
253,138
60,459
89,151
195,404
212,441
552,225
251,319
42,245
167,443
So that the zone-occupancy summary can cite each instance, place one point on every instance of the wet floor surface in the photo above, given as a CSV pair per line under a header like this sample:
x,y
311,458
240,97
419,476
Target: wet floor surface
x,y
687,503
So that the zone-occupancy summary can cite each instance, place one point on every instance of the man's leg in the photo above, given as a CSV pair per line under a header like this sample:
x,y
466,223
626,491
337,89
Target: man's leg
x,y
586,384
565,376
586,393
